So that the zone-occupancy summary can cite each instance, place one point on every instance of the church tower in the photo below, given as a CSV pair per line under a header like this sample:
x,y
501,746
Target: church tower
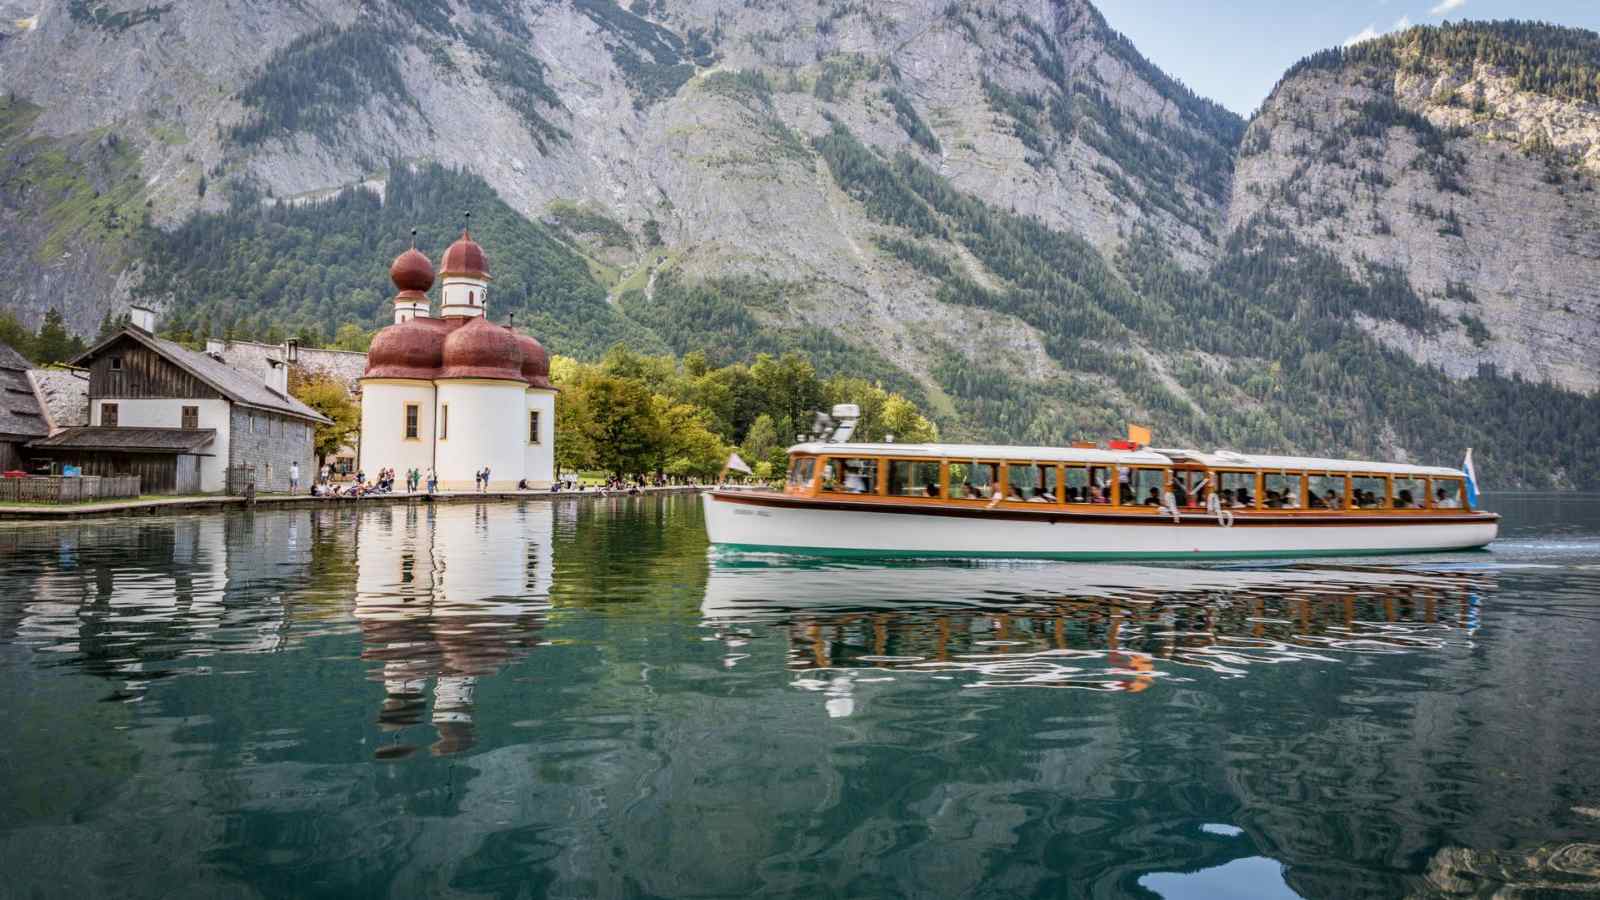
x,y
465,273
412,274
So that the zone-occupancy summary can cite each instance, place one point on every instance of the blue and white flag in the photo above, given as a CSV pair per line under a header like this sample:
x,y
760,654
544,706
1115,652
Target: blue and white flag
x,y
1472,480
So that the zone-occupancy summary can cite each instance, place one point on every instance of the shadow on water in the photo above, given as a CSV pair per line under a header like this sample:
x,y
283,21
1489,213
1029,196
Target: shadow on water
x,y
579,699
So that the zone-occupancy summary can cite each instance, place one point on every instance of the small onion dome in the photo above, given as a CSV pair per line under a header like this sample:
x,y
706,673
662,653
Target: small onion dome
x,y
481,349
413,349
535,362
465,259
411,273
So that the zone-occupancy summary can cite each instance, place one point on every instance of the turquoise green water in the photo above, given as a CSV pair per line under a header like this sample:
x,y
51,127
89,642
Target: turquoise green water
x,y
576,699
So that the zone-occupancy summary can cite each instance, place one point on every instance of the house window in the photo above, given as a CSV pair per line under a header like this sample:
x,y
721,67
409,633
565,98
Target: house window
x,y
191,417
108,415
411,421
255,423
116,364
533,426
444,421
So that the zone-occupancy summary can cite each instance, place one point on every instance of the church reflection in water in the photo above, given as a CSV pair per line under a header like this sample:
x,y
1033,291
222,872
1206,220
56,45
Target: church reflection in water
x,y
438,610
1091,627
444,595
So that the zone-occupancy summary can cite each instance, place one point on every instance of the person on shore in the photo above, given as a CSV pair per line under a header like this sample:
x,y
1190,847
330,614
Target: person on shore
x,y
294,477
433,481
485,479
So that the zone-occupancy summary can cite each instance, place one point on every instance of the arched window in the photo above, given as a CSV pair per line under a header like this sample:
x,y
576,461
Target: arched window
x,y
472,298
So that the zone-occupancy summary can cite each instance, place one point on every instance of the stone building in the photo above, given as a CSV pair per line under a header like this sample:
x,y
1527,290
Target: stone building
x,y
456,393
180,418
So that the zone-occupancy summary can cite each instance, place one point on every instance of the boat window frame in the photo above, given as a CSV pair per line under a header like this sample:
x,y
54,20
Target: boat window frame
x,y
1385,500
1036,465
887,466
1138,504
1420,503
999,477
1255,485
1461,494
808,487
878,485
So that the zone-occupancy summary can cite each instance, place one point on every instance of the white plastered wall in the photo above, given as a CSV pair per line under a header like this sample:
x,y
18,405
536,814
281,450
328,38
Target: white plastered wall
x,y
384,444
168,413
539,458
483,433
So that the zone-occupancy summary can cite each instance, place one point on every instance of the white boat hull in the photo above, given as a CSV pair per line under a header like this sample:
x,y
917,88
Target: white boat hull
x,y
774,522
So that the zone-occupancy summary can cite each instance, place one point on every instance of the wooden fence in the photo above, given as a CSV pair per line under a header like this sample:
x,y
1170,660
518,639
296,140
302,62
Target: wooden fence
x,y
57,489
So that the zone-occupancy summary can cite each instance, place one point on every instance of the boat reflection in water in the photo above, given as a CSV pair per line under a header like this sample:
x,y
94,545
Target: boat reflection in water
x,y
1088,627
433,606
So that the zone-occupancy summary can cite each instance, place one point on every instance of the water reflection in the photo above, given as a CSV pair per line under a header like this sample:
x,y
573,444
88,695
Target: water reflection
x,y
443,596
1101,628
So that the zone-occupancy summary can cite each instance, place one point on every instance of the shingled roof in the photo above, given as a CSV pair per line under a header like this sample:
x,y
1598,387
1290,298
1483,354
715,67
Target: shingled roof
x,y
21,416
240,387
128,440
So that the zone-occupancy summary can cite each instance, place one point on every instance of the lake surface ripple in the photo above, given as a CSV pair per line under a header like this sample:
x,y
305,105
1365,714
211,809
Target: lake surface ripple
x,y
578,699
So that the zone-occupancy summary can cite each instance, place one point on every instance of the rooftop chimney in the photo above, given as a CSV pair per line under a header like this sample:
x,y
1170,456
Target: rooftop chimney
x,y
215,347
142,318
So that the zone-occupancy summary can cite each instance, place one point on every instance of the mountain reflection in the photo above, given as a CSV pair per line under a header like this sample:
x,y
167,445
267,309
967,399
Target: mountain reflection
x,y
1101,628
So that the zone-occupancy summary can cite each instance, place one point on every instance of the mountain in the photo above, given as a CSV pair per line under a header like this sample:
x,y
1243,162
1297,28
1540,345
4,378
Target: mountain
x,y
1000,208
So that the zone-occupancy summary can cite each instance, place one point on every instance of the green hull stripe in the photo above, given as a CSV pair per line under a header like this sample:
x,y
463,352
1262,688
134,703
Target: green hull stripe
x,y
1042,554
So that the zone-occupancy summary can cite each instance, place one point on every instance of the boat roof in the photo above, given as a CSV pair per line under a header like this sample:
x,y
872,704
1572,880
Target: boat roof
x,y
1219,459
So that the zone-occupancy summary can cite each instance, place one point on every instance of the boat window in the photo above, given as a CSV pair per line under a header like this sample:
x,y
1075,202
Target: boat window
x,y
973,480
1447,493
1189,487
913,478
1100,484
1369,492
1410,493
1325,492
1143,487
1238,489
800,471
1031,483
1280,491
1075,484
850,476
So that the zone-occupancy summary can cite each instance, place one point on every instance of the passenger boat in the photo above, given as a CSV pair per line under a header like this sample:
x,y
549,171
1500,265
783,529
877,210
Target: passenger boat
x,y
1093,502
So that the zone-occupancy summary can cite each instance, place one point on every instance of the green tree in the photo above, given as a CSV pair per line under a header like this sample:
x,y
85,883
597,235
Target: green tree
x,y
55,343
351,336
13,335
762,438
620,425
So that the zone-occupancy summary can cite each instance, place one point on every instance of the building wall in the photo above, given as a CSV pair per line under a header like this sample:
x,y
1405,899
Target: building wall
x,y
168,413
128,368
383,422
539,458
271,442
488,427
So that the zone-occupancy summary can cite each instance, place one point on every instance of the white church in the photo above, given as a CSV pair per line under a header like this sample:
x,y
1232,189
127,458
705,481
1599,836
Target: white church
x,y
456,393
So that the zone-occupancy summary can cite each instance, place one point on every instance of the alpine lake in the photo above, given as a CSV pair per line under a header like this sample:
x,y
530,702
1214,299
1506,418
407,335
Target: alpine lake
x,y
578,698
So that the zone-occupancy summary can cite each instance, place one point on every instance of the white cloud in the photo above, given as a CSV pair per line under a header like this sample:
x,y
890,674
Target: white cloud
x,y
1444,6
1365,34
1403,24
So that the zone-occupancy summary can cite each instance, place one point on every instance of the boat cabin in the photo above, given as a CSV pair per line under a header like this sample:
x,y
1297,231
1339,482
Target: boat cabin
x,y
1131,482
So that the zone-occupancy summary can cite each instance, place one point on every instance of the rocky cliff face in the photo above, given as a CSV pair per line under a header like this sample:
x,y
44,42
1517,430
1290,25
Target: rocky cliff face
x,y
1479,191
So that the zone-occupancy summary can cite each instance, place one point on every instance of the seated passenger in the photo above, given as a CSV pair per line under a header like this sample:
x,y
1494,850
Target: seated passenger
x,y
1105,495
1317,502
1038,497
932,489
970,491
1330,499
1154,499
1442,501
1016,495
1405,501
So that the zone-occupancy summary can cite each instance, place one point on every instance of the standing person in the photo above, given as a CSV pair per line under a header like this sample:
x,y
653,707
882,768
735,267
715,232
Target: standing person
x,y
433,481
294,477
486,478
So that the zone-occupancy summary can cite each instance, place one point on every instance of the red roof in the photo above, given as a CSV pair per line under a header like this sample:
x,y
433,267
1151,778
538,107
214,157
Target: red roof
x,y
465,259
411,273
457,347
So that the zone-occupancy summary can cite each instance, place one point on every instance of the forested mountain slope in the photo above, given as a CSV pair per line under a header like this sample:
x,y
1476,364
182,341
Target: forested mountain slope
x,y
1001,209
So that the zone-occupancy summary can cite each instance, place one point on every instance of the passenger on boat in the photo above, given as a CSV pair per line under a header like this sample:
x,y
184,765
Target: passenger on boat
x,y
1241,499
1442,501
1154,499
1330,499
1317,502
970,491
932,489
1039,497
1405,501
1180,494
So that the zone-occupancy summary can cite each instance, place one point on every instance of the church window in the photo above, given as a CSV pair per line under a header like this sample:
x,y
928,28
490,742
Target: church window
x,y
108,415
411,421
191,417
444,422
472,298
533,426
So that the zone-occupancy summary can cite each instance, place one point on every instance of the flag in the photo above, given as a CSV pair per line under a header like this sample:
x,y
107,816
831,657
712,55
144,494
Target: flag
x,y
737,464
1472,480
1138,434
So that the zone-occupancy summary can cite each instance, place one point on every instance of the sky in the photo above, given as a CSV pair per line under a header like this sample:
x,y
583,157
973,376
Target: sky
x,y
1234,51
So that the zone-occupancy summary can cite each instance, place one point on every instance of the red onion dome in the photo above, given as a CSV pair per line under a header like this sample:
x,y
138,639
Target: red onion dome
x,y
535,362
482,349
411,272
413,349
465,259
